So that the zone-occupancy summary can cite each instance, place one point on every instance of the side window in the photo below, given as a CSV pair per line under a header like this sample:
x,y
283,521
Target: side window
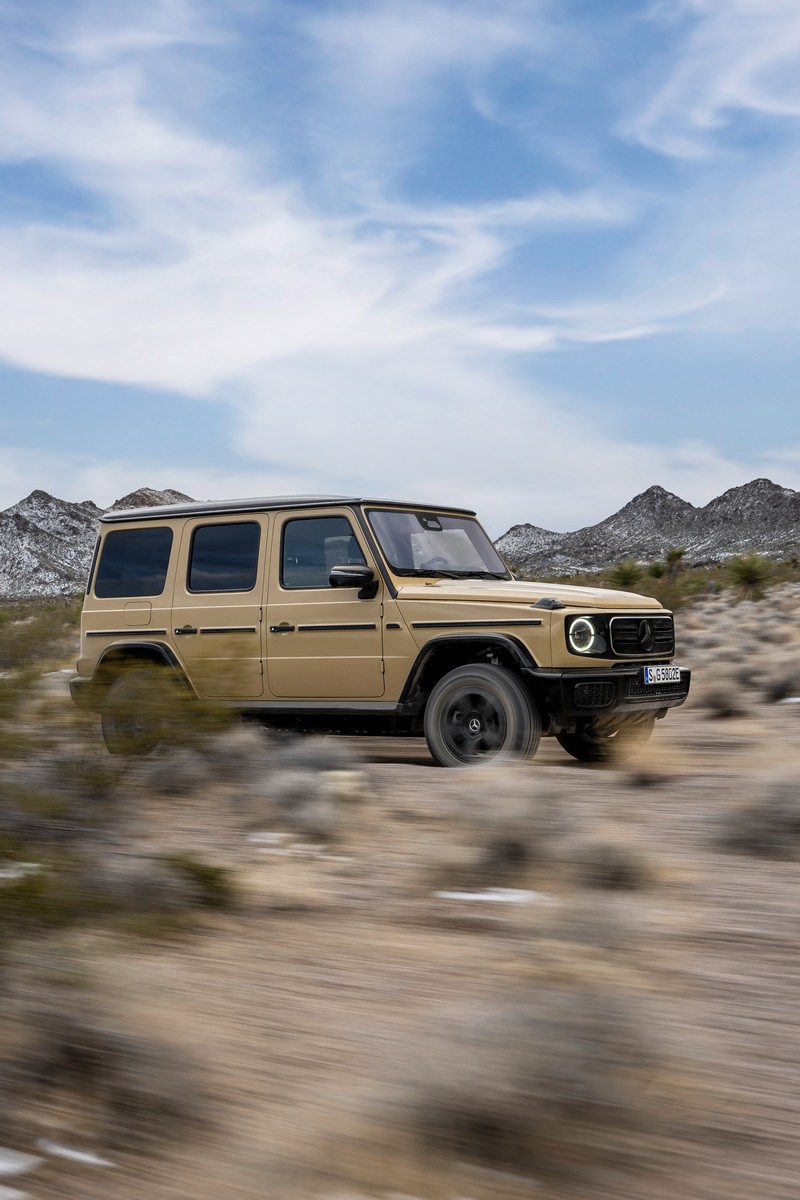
x,y
312,546
224,558
133,562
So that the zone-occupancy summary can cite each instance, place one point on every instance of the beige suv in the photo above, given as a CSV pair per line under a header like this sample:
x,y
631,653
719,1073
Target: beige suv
x,y
363,616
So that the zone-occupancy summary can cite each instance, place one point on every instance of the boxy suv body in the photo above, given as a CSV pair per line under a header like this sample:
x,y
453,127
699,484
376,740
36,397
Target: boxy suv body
x,y
365,616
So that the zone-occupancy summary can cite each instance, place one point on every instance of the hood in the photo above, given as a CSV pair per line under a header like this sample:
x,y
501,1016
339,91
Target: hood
x,y
519,591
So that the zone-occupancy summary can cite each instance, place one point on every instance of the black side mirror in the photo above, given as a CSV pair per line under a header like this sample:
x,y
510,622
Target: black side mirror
x,y
355,575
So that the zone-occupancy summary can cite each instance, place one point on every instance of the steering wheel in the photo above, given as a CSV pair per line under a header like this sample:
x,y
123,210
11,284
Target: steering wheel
x,y
433,563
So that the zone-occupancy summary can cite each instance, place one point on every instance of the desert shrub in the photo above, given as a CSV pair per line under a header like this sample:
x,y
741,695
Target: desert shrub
x,y
600,862
749,574
59,797
144,1091
782,683
36,898
35,635
314,754
213,883
503,828
769,825
673,560
302,801
308,786
543,1081
656,570
179,771
721,699
625,574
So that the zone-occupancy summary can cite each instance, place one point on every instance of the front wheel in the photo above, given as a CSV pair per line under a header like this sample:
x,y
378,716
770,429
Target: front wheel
x,y
608,744
478,714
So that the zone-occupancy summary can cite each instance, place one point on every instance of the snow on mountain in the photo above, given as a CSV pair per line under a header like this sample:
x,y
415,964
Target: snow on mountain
x,y
521,540
758,516
46,544
149,498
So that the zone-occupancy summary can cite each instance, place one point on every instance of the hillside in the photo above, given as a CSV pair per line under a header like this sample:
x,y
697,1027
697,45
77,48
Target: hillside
x,y
46,544
758,516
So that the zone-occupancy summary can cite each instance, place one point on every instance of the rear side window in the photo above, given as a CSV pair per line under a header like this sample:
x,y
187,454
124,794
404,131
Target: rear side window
x,y
133,562
224,558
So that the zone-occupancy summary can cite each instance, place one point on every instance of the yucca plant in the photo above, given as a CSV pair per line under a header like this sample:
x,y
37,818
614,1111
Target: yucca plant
x,y
625,575
656,570
674,560
749,573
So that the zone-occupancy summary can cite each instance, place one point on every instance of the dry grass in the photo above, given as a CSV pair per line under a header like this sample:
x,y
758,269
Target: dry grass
x,y
233,954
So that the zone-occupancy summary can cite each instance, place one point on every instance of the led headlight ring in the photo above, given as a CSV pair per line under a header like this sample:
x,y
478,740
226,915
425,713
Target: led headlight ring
x,y
582,634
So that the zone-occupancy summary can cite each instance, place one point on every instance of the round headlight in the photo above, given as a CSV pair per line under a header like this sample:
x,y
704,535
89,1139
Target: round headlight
x,y
582,634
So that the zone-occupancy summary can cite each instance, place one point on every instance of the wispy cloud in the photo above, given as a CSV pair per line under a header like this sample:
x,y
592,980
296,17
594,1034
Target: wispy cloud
x,y
199,270
740,56
355,326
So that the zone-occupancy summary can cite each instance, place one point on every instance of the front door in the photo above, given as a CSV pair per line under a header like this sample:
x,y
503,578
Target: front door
x,y
323,643
216,604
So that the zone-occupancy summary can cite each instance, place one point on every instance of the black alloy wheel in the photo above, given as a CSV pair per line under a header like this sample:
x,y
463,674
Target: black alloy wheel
x,y
479,714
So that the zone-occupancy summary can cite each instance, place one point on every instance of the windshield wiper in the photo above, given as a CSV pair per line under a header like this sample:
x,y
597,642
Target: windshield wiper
x,y
424,572
441,573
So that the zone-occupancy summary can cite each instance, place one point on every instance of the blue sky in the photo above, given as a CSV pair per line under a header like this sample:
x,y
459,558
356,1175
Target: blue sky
x,y
526,255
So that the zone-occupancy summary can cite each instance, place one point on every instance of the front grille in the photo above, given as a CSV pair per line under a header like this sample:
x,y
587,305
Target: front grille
x,y
636,690
594,695
635,636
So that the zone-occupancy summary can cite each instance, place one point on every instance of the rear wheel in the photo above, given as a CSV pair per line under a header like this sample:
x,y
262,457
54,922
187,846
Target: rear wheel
x,y
141,710
606,743
477,714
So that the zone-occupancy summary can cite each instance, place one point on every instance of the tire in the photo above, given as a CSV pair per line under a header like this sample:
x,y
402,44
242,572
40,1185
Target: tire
x,y
478,714
608,745
140,711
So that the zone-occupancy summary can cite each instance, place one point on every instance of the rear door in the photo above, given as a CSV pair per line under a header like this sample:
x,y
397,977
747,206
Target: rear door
x,y
323,643
217,604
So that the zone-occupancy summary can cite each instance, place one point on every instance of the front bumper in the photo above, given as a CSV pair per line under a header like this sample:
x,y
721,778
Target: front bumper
x,y
567,696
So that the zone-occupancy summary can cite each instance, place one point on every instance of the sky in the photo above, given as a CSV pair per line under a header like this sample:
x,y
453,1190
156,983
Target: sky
x,y
525,256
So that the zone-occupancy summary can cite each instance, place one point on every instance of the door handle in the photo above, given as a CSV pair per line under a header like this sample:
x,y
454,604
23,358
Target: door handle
x,y
185,629
281,628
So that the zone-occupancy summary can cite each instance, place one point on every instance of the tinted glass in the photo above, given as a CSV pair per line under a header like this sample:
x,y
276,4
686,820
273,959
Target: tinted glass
x,y
133,562
312,546
224,558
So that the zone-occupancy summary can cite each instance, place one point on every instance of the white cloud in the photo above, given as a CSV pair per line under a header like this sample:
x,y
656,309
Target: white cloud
x,y
741,55
388,53
364,350
195,274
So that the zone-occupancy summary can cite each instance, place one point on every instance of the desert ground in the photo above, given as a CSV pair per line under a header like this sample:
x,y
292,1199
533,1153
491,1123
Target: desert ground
x,y
291,969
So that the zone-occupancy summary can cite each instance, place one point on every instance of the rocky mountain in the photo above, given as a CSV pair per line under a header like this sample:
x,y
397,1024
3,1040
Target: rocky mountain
x,y
46,544
758,516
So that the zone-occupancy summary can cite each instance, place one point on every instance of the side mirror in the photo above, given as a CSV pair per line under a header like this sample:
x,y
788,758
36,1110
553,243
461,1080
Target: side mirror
x,y
355,575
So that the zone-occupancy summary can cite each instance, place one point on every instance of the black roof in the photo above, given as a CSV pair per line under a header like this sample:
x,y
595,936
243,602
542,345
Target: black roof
x,y
262,504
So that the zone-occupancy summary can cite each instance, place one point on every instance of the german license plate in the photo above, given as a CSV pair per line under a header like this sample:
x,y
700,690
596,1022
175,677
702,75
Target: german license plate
x,y
662,674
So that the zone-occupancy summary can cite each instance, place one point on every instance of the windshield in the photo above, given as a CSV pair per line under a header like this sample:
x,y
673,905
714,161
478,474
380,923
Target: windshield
x,y
427,543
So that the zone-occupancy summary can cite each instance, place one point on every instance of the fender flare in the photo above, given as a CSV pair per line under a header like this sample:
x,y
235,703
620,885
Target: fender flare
x,y
519,653
146,651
